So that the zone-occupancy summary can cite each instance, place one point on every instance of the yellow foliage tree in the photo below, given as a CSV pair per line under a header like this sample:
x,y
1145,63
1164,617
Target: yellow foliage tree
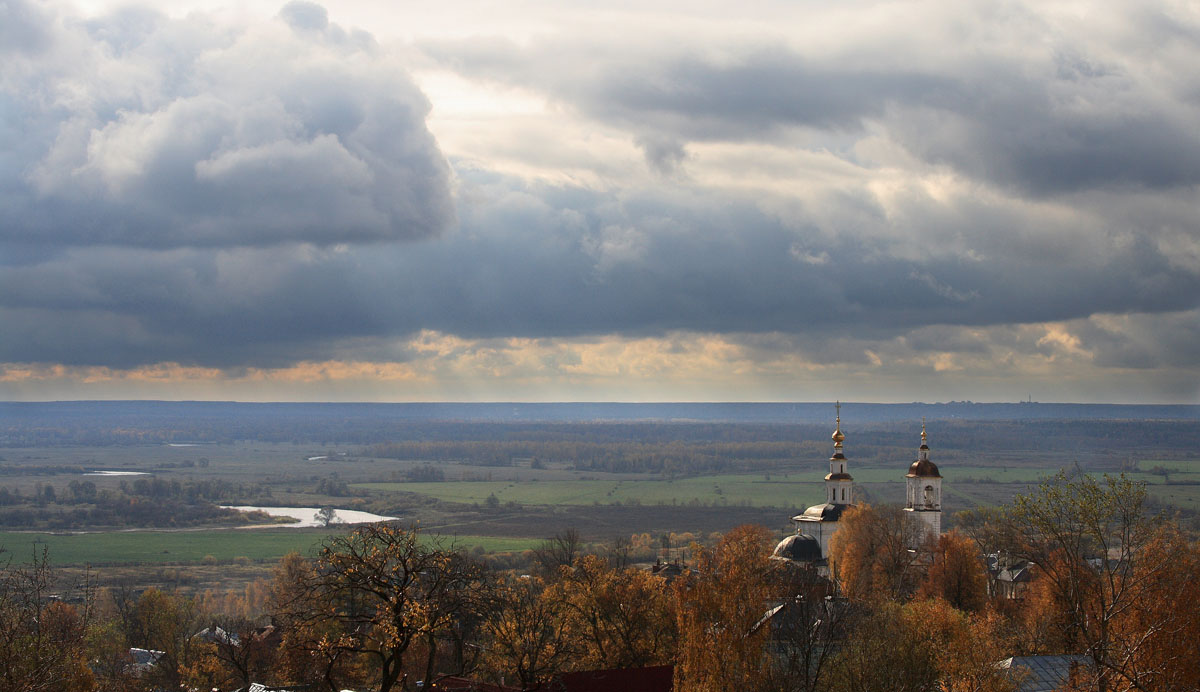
x,y
720,649
374,597
1155,641
620,618
527,633
871,554
956,574
165,621
926,645
1093,544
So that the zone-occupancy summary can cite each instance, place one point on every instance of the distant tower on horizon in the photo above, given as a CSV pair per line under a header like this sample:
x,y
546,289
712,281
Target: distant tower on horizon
x,y
924,498
820,521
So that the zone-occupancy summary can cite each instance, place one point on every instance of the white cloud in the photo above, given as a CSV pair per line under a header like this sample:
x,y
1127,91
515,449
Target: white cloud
x,y
136,129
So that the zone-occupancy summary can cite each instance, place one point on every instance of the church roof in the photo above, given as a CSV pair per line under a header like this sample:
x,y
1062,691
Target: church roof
x,y
825,512
1044,673
798,549
923,468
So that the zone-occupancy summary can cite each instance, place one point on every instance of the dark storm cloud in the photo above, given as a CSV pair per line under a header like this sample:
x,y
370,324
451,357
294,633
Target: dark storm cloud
x,y
1061,123
137,130
1172,341
683,95
537,261
267,307
1052,133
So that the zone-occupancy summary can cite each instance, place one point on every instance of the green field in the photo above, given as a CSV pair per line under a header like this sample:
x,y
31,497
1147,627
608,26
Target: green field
x,y
1183,466
758,490
734,489
1184,496
795,489
158,547
291,474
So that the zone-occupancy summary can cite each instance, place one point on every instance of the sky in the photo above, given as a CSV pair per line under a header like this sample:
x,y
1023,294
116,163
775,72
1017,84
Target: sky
x,y
600,201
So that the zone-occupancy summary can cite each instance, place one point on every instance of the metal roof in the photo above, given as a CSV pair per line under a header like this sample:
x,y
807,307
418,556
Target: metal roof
x,y
1043,673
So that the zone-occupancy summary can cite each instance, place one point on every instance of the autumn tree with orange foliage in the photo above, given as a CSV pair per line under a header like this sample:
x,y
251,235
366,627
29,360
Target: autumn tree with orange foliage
x,y
1155,642
233,653
1044,618
956,574
41,640
620,618
964,646
1095,552
992,532
305,616
527,634
920,646
1153,636
378,595
718,608
165,621
871,554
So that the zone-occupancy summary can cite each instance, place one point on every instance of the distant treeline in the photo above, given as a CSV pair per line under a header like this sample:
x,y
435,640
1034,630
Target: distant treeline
x,y
144,502
680,449
170,412
673,457
667,448
97,423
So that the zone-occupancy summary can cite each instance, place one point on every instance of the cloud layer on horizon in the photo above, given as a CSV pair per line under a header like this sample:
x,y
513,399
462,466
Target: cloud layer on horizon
x,y
253,195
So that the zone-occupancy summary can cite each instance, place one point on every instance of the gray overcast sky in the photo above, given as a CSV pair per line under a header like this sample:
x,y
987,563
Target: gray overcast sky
x,y
913,201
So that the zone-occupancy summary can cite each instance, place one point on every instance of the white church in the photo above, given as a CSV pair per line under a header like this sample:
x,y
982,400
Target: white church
x,y
818,523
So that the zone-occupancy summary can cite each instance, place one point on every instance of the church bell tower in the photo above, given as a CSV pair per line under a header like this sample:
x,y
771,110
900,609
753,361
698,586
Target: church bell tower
x,y
821,521
839,486
924,498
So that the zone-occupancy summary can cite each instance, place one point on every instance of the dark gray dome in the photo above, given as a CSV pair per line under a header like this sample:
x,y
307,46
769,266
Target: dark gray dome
x,y
825,512
798,549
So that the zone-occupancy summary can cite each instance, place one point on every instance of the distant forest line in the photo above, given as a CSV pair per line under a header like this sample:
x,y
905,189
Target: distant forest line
x,y
956,425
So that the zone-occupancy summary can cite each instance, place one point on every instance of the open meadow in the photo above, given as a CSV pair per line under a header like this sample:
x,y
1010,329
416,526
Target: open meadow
x,y
797,488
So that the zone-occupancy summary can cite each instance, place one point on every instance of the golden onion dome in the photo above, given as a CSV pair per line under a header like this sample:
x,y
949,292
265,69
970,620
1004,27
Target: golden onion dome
x,y
837,433
923,468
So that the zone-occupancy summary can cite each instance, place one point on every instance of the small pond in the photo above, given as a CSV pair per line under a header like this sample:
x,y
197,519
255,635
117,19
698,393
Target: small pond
x,y
307,516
